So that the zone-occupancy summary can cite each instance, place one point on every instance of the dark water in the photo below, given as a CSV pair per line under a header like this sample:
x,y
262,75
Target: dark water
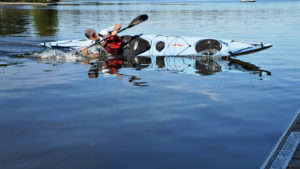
x,y
59,111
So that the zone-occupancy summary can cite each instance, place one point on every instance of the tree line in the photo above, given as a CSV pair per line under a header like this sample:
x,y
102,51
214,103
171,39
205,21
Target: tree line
x,y
39,1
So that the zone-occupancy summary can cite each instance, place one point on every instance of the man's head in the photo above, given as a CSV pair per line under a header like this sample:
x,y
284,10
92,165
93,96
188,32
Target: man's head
x,y
91,34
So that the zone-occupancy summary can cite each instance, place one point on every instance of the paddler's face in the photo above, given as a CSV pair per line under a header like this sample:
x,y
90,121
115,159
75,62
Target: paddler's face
x,y
94,37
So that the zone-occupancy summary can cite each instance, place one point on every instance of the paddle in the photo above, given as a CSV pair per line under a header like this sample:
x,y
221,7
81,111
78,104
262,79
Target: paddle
x,y
135,21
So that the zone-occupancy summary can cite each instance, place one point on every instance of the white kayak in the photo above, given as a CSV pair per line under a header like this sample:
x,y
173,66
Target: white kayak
x,y
158,45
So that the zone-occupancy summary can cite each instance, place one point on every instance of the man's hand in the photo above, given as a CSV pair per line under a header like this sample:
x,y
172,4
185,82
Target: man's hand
x,y
117,26
85,51
115,31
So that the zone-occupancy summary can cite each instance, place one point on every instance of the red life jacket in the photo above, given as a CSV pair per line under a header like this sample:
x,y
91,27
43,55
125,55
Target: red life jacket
x,y
113,45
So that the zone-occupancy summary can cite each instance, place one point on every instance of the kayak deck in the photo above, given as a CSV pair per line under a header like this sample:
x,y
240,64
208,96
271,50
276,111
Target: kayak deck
x,y
177,45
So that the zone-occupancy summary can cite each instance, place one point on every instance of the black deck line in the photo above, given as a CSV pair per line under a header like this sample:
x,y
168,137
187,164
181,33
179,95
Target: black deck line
x,y
253,51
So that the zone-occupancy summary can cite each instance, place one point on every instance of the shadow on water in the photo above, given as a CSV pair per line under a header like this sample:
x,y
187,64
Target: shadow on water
x,y
6,63
14,21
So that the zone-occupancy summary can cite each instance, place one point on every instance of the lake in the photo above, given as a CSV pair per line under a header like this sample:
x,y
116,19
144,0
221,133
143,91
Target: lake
x,y
60,111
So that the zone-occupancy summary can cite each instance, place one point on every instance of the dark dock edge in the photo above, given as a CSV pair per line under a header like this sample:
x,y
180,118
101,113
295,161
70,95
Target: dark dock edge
x,y
284,150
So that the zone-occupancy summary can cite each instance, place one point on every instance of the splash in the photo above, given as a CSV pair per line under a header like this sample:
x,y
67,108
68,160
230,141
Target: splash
x,y
54,56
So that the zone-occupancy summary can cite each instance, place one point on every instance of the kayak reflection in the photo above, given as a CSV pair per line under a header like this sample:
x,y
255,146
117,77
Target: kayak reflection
x,y
206,66
245,66
203,66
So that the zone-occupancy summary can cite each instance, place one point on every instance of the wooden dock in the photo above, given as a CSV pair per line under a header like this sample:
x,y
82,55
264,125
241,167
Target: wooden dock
x,y
286,153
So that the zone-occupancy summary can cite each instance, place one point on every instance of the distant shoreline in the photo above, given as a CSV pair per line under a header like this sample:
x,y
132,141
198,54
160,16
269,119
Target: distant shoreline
x,y
26,3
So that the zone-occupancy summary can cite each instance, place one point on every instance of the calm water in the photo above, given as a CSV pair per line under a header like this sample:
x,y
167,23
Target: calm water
x,y
58,111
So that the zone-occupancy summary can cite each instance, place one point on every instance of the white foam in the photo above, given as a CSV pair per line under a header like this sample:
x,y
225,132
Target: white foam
x,y
57,56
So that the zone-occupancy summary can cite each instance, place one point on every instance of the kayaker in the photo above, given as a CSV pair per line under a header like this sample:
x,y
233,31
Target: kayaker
x,y
112,44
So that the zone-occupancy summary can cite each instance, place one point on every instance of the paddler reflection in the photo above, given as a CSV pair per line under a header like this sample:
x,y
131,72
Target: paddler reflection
x,y
112,64
109,66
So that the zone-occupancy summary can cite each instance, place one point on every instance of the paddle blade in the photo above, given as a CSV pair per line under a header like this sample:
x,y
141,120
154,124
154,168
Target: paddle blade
x,y
138,20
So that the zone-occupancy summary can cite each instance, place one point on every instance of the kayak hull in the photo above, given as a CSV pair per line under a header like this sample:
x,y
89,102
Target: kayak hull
x,y
177,46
